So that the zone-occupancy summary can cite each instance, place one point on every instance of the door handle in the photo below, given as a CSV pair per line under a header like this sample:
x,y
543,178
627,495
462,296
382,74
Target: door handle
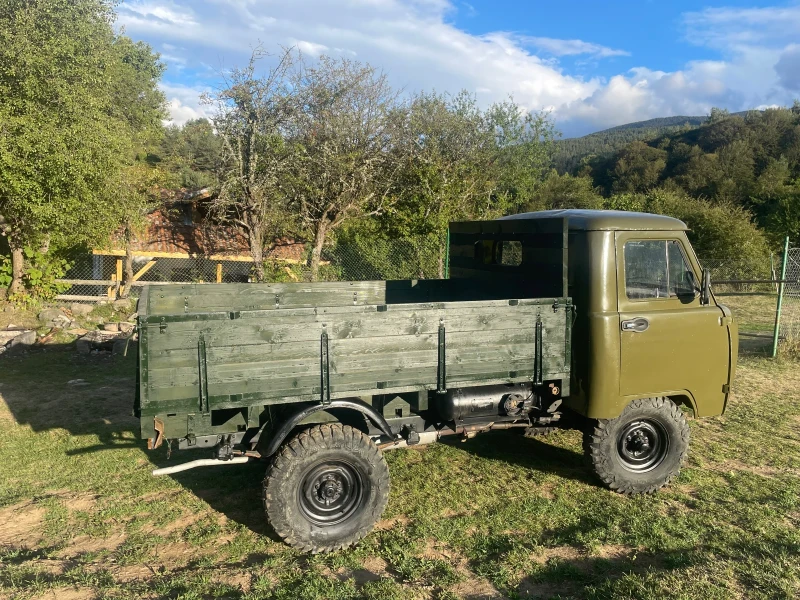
x,y
636,325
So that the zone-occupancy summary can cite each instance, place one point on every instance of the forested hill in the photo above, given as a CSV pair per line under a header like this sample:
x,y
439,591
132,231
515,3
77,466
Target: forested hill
x,y
751,162
569,152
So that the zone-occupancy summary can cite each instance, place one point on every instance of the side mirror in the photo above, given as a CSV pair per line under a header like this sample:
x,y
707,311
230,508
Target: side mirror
x,y
705,288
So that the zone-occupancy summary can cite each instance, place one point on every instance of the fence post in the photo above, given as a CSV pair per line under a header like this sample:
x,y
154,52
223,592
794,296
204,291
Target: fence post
x,y
777,330
447,255
219,272
772,269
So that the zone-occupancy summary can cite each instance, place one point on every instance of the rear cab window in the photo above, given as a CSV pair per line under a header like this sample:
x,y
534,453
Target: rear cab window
x,y
505,252
657,269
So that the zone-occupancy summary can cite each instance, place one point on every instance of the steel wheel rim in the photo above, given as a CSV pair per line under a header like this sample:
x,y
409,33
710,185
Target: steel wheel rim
x,y
331,492
642,445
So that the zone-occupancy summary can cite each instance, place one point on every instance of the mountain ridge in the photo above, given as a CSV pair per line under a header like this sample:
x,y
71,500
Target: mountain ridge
x,y
569,152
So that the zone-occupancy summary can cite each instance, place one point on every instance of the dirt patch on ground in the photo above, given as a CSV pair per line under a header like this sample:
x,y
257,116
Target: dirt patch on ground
x,y
88,544
565,553
737,465
373,569
392,523
530,589
131,573
82,502
70,593
239,580
474,588
611,551
179,524
176,553
20,525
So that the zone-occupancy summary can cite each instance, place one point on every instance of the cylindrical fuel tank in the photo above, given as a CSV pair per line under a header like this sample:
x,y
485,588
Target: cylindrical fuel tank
x,y
482,401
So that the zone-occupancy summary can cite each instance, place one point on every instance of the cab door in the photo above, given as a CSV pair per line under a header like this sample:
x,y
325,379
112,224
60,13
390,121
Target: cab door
x,y
669,342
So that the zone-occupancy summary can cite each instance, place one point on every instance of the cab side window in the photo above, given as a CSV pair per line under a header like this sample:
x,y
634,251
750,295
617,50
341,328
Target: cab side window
x,y
657,269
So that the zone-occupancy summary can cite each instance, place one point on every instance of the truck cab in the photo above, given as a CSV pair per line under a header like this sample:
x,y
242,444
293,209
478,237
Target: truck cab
x,y
642,325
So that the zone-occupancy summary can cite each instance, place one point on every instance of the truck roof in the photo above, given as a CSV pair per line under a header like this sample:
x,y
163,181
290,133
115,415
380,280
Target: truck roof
x,y
605,220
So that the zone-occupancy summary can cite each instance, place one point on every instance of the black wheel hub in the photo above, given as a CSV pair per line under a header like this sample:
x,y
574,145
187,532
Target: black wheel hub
x,y
642,445
331,492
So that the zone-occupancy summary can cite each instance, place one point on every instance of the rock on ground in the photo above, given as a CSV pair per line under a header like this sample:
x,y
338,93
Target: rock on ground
x,y
25,339
54,317
122,305
6,335
78,308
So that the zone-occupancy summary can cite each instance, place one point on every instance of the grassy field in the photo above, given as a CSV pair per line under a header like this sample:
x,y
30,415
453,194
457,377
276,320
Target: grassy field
x,y
497,516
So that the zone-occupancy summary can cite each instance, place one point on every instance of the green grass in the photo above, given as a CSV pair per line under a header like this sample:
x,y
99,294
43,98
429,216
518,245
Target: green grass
x,y
497,516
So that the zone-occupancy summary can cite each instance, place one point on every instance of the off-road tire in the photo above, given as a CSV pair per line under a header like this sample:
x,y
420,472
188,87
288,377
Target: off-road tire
x,y
333,454
612,459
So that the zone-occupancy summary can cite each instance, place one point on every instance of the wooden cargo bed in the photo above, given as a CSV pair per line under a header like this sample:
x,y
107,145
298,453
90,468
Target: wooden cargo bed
x,y
207,347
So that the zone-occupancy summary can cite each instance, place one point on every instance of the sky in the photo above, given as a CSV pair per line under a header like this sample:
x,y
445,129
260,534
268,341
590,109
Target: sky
x,y
591,65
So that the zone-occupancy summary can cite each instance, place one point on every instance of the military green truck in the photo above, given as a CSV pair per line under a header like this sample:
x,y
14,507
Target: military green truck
x,y
601,321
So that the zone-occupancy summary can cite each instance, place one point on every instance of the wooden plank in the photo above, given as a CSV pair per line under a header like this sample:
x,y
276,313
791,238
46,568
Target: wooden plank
x,y
241,297
138,275
240,332
81,298
100,282
412,365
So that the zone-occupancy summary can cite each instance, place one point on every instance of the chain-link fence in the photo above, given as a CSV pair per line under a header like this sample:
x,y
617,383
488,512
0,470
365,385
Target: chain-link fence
x,y
790,309
97,277
737,282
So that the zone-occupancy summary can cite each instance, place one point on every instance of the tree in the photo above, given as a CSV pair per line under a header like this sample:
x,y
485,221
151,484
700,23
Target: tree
x,y
638,167
192,152
252,116
524,146
59,139
138,189
565,191
718,114
140,106
341,147
444,149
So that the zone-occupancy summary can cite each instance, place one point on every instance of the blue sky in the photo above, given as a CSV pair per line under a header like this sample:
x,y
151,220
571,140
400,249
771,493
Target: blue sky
x,y
591,64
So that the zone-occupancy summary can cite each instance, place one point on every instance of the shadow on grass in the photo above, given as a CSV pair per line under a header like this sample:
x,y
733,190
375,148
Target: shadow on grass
x,y
535,453
57,388
54,387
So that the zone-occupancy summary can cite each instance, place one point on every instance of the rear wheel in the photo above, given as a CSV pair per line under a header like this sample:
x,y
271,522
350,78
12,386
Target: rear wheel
x,y
640,451
326,488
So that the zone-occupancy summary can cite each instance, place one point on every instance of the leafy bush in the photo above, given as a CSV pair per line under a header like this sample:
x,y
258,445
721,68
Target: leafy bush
x,y
38,278
715,230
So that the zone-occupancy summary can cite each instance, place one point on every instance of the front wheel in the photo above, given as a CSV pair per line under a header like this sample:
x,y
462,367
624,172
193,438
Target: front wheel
x,y
326,488
640,451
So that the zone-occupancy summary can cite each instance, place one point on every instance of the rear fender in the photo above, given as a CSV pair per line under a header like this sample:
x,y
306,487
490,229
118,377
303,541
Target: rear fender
x,y
345,403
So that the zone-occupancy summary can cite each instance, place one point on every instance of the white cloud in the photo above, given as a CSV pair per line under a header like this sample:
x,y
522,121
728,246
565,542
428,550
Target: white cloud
x,y
726,28
410,40
184,103
558,47
310,48
416,44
